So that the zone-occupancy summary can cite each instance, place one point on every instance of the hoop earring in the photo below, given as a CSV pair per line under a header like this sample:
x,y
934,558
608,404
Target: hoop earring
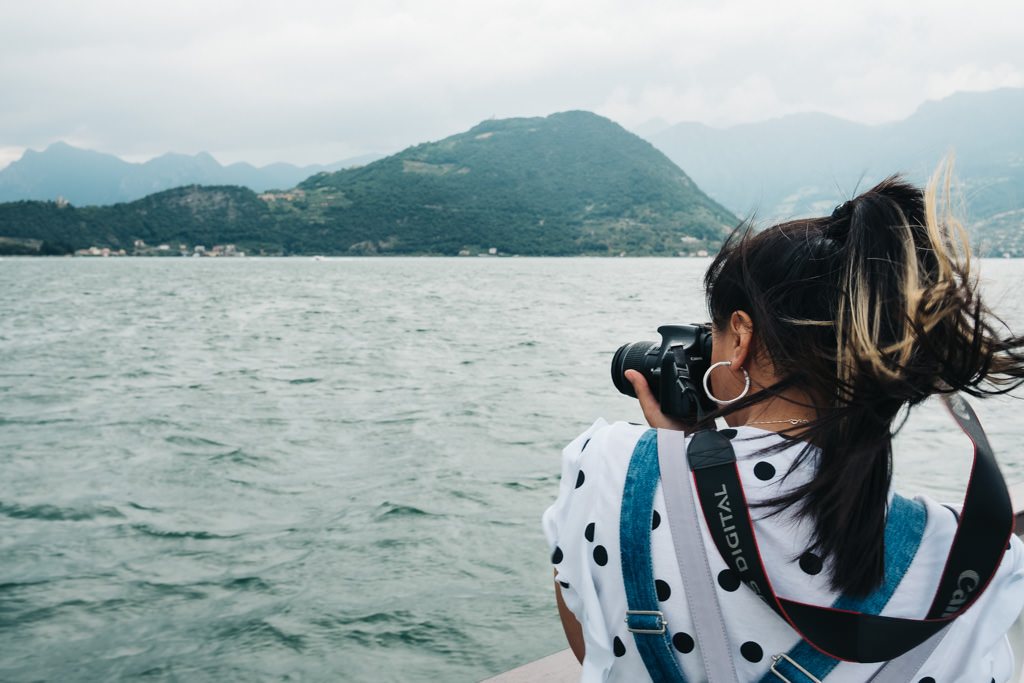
x,y
707,389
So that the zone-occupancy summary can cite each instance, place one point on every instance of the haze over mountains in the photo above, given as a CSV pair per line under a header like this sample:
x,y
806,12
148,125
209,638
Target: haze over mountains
x,y
88,178
805,164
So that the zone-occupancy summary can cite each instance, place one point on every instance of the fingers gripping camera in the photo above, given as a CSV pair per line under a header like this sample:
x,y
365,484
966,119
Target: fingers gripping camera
x,y
673,368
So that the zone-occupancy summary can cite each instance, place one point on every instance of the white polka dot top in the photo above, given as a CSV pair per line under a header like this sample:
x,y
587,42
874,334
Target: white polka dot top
x,y
582,529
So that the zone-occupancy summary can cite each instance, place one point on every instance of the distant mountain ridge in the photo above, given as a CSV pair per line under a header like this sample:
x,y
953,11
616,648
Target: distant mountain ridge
x,y
797,165
89,178
804,164
567,184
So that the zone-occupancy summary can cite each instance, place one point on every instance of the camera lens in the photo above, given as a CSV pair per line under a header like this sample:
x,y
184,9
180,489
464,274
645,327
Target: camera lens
x,y
631,357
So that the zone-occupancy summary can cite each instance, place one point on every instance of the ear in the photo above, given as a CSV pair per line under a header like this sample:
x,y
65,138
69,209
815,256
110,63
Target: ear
x,y
741,332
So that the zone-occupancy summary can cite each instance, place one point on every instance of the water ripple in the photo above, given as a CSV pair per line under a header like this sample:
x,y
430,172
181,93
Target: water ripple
x,y
54,513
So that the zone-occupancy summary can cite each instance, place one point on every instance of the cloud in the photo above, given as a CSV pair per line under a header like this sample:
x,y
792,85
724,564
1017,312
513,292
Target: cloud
x,y
970,77
314,81
9,154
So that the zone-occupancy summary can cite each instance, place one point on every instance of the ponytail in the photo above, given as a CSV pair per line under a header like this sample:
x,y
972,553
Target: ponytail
x,y
866,311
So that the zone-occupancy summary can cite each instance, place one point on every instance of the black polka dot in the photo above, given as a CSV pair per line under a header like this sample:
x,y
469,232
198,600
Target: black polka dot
x,y
728,433
810,563
764,470
728,580
683,642
580,478
929,679
556,556
585,444
617,647
655,520
663,590
751,651
600,555
563,584
589,532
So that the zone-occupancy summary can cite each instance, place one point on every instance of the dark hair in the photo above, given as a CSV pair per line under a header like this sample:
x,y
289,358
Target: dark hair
x,y
865,311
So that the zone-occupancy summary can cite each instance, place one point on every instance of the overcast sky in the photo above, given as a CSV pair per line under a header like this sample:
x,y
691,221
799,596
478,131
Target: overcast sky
x,y
315,82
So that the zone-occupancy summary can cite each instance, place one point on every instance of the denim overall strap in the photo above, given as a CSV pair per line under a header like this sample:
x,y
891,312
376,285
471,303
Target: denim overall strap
x,y
903,531
643,618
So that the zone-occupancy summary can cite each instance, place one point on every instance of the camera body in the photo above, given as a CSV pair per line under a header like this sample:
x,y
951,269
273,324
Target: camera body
x,y
674,369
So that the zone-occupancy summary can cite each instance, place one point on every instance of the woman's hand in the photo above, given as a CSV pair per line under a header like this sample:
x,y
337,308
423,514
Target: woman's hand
x,y
651,407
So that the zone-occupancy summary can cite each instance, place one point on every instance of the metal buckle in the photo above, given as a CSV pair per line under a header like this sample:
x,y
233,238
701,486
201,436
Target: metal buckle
x,y
805,672
659,621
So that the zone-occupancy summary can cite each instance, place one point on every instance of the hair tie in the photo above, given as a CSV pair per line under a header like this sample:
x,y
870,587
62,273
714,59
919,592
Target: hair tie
x,y
842,211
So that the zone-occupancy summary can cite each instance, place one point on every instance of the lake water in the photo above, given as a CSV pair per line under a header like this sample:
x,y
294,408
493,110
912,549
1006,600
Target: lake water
x,y
287,469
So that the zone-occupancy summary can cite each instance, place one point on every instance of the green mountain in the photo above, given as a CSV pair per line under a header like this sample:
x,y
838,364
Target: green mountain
x,y
183,216
570,183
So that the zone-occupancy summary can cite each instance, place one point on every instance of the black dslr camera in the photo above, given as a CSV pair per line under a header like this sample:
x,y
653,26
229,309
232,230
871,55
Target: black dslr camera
x,y
674,369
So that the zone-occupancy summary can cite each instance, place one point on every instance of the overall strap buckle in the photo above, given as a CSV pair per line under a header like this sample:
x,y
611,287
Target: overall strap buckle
x,y
805,672
650,622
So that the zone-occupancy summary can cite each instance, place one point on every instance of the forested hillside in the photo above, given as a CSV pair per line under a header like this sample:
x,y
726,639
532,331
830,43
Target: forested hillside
x,y
570,183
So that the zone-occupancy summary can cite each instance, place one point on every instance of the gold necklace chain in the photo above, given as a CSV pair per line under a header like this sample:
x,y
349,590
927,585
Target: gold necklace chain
x,y
792,421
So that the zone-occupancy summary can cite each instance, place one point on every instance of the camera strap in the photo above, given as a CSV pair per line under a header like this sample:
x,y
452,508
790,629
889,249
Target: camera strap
x,y
983,531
